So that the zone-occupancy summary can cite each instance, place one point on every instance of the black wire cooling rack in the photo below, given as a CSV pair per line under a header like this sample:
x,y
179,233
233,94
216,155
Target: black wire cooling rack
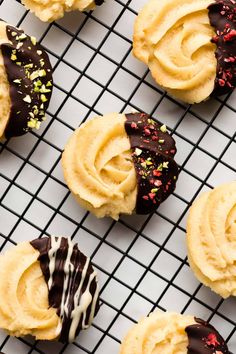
x,y
141,260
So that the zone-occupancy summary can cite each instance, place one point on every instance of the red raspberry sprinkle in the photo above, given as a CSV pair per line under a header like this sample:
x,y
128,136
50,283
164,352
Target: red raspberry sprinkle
x,y
212,340
230,36
151,195
134,125
147,131
157,183
156,173
221,82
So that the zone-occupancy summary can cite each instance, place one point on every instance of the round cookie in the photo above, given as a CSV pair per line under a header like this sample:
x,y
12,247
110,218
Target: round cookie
x,y
120,164
48,289
173,333
52,10
25,82
211,229
189,46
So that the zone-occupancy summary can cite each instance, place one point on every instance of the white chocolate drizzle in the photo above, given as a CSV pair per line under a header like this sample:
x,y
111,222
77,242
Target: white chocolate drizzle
x,y
82,299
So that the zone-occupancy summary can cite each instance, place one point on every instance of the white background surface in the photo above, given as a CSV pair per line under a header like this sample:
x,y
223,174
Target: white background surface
x,y
141,260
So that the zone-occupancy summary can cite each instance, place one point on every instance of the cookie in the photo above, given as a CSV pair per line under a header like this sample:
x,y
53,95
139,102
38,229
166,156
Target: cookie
x,y
211,229
25,82
48,289
189,46
52,10
173,333
120,164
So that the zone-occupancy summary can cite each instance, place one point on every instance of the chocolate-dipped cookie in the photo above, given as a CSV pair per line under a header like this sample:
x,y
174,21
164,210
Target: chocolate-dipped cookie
x,y
48,289
52,10
189,46
25,82
120,163
173,333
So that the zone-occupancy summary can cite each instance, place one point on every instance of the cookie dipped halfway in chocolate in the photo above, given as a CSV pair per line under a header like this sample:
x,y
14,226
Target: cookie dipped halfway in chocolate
x,y
120,164
222,15
153,151
48,289
169,332
25,82
189,46
205,339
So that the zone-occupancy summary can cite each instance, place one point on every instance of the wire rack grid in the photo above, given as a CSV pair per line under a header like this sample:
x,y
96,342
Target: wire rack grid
x,y
141,260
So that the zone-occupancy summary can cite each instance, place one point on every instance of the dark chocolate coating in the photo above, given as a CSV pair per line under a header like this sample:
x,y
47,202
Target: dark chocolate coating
x,y
153,151
78,259
99,2
22,59
222,15
204,339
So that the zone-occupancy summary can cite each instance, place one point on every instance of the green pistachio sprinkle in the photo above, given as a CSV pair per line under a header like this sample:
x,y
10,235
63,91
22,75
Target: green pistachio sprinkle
x,y
21,37
17,81
165,164
13,34
33,40
154,190
163,128
149,163
19,45
161,141
44,89
43,98
42,73
34,75
13,57
27,99
29,66
32,123
138,151
143,164
151,121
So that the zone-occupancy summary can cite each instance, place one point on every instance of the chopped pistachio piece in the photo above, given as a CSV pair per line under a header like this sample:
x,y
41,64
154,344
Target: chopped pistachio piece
x,y
163,128
27,99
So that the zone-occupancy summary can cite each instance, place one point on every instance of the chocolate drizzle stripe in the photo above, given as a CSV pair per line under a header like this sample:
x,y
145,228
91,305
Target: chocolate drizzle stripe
x,y
205,339
29,75
222,16
72,284
153,150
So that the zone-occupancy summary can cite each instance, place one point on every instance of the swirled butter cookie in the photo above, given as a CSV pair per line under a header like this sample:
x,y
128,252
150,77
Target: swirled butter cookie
x,y
211,230
25,82
52,10
173,333
120,163
48,289
189,46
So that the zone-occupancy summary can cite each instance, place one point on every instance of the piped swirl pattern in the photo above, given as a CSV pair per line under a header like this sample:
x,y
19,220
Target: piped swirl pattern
x,y
173,37
24,307
211,240
98,167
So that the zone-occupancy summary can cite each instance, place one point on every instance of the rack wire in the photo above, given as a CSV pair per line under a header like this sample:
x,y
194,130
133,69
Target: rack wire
x,y
141,260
